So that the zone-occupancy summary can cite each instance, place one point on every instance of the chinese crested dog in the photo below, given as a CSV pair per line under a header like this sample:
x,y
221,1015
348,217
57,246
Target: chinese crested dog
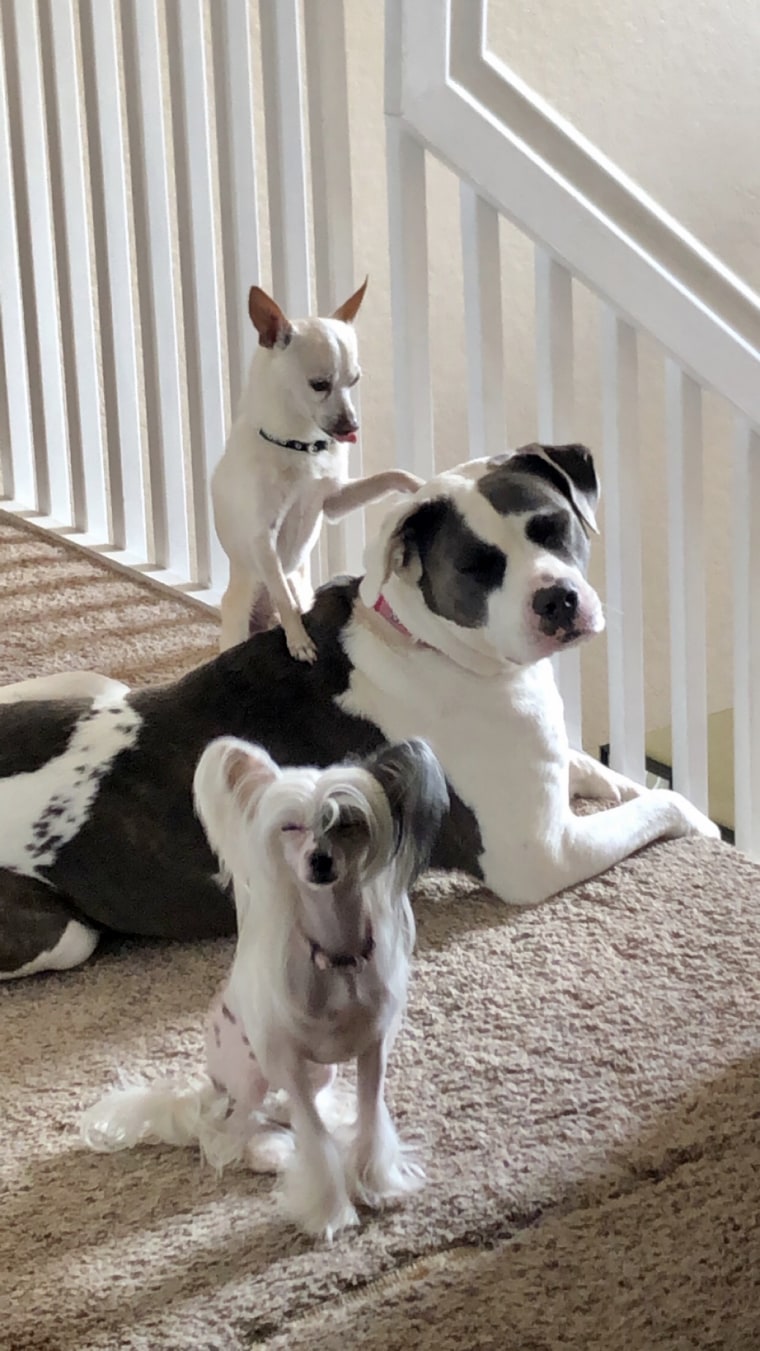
x,y
321,863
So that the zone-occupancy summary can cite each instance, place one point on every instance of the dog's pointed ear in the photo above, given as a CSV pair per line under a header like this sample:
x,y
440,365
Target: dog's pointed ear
x,y
348,311
273,328
571,469
386,552
229,779
247,769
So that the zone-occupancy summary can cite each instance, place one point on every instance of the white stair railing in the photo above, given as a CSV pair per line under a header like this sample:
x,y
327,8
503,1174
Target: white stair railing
x,y
159,156
448,96
133,181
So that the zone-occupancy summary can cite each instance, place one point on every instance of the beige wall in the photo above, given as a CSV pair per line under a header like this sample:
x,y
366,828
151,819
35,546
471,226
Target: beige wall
x,y
670,91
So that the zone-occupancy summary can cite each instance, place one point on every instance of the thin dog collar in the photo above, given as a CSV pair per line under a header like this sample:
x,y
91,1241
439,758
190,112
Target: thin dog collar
x,y
382,608
327,960
309,447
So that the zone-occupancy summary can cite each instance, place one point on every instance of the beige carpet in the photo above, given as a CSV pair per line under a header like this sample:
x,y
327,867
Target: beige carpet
x,y
582,1080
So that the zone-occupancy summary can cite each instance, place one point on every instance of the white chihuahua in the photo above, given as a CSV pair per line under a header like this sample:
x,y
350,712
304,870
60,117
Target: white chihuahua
x,y
321,863
285,465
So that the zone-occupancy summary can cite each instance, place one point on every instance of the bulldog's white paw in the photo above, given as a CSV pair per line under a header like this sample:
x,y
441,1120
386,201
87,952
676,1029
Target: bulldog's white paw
x,y
690,820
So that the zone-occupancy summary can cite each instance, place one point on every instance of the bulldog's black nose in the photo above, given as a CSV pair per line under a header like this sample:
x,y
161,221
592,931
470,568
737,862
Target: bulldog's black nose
x,y
557,607
321,868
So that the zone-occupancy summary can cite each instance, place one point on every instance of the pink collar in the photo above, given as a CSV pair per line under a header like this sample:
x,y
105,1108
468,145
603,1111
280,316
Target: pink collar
x,y
382,608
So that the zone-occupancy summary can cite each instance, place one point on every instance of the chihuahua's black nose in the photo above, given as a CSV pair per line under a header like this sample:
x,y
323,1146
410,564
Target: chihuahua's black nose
x,y
344,426
557,606
322,869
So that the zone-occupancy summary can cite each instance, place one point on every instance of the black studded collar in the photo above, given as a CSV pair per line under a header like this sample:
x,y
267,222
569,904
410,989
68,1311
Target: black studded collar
x,y
308,447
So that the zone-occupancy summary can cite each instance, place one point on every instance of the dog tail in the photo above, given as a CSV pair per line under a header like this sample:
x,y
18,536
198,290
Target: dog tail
x,y
160,1112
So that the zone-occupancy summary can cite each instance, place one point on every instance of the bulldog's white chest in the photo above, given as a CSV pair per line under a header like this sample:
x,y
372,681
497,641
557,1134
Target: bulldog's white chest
x,y
500,739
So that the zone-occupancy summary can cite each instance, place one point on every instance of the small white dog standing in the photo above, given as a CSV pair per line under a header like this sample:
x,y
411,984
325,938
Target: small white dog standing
x,y
284,465
321,863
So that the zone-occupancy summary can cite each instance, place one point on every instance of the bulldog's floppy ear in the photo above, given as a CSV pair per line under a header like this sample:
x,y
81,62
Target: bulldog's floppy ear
x,y
570,469
386,553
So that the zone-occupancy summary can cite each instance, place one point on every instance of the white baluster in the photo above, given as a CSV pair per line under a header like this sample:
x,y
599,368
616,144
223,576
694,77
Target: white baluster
x,y
286,155
555,414
332,206
198,262
286,168
746,589
688,639
59,35
233,80
47,391
410,305
144,82
622,538
481,269
110,210
17,451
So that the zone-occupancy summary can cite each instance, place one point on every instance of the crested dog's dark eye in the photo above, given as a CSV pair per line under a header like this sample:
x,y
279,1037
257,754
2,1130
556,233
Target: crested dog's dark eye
x,y
320,386
550,529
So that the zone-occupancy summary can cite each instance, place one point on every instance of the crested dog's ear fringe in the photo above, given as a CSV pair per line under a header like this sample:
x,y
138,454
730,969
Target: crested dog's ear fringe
x,y
229,780
414,784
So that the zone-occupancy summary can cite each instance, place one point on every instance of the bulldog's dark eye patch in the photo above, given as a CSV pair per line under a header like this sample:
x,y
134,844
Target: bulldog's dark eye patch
x,y
485,563
459,569
550,530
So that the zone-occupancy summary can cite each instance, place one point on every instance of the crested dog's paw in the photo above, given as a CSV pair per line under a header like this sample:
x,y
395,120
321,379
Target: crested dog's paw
x,y
689,819
380,1183
270,1151
380,1168
316,1196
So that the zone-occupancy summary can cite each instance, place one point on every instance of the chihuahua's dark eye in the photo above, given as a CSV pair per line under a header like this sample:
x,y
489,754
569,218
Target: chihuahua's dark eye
x,y
291,825
320,386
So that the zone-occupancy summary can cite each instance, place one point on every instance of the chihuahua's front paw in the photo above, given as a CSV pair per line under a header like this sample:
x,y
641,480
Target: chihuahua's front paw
x,y
405,483
301,647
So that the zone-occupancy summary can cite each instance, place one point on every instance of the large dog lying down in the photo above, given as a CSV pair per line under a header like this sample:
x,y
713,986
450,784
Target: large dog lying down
x,y
471,585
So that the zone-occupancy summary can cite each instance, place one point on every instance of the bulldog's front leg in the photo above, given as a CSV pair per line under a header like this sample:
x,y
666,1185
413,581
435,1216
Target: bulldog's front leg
x,y
579,847
590,778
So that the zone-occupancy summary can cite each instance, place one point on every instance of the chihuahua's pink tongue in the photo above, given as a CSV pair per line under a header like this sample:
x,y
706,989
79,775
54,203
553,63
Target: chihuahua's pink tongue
x,y
351,437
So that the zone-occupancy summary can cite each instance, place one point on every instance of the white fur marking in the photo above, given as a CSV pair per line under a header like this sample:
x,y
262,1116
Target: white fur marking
x,y
68,783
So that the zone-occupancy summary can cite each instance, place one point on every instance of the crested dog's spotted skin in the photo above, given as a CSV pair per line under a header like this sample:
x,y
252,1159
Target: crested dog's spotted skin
x,y
469,586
